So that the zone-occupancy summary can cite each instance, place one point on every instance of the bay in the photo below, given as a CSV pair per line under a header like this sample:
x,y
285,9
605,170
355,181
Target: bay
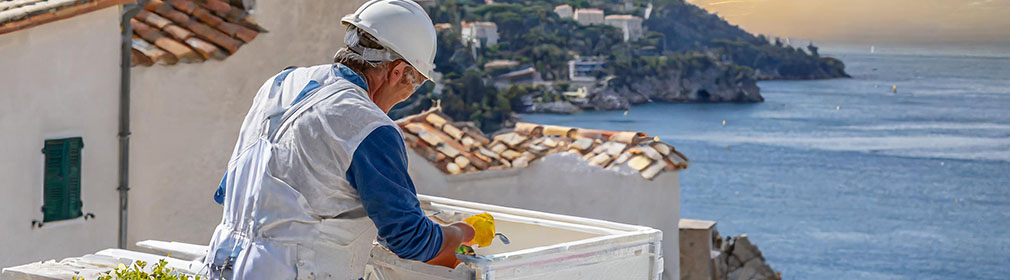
x,y
845,179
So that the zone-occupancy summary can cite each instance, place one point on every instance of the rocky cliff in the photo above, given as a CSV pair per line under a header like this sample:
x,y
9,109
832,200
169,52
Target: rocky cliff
x,y
716,83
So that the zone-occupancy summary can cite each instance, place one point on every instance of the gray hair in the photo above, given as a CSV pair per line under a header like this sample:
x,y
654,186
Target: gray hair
x,y
363,52
356,39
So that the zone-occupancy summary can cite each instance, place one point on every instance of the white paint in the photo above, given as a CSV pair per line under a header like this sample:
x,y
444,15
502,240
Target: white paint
x,y
565,184
59,79
186,117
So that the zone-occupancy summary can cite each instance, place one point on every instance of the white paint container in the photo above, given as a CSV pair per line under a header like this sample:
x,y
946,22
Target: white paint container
x,y
563,183
543,246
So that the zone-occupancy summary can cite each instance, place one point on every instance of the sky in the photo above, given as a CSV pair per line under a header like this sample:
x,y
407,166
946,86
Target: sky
x,y
870,21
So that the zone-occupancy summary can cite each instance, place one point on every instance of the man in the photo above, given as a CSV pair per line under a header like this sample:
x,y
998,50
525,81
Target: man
x,y
319,168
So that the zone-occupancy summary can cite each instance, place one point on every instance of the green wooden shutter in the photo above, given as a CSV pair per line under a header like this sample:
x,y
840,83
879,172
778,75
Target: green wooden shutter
x,y
62,184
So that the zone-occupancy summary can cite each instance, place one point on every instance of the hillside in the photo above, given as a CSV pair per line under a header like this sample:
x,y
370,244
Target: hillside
x,y
689,28
684,54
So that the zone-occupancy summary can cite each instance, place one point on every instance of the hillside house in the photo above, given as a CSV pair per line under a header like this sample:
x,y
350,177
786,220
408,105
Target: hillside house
x,y
525,76
480,34
554,169
630,25
589,16
564,11
60,107
584,69
443,26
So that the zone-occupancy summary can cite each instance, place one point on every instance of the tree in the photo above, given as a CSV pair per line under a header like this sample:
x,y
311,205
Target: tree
x,y
813,49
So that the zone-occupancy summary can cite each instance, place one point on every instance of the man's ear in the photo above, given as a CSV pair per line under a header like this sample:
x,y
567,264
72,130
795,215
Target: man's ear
x,y
398,72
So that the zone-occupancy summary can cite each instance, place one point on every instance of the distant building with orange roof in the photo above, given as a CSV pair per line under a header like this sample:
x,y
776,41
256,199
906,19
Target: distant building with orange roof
x,y
589,16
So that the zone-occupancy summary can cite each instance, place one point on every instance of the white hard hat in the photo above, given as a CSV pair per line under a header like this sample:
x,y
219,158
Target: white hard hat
x,y
403,27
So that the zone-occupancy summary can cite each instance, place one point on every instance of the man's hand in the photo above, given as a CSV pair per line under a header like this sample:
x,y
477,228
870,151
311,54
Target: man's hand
x,y
452,236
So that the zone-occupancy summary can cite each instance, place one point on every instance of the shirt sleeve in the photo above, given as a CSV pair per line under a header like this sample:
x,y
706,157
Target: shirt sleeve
x,y
378,171
219,193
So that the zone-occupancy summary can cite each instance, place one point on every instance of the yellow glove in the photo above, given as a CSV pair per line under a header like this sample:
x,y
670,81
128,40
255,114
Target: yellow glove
x,y
483,226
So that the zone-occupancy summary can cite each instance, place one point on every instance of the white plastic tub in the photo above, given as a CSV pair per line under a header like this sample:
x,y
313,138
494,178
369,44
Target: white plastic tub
x,y
543,246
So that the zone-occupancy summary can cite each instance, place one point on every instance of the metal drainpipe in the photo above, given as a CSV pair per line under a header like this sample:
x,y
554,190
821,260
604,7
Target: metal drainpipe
x,y
129,10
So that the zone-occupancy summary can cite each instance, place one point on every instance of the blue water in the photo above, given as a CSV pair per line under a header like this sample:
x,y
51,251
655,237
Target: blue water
x,y
841,179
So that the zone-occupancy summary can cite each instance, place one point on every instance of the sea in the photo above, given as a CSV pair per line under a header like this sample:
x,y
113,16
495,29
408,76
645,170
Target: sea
x,y
900,172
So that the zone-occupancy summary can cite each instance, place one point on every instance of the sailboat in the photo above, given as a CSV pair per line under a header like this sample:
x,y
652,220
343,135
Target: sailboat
x,y
873,49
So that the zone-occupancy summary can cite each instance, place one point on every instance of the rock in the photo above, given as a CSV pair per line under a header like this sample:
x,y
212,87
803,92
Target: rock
x,y
556,107
740,259
744,250
608,100
733,263
714,83
761,270
744,273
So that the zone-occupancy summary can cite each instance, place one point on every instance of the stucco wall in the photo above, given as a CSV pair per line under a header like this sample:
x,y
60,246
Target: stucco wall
x,y
565,184
186,117
59,79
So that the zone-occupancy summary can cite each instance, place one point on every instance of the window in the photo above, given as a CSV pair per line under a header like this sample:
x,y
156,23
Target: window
x,y
62,183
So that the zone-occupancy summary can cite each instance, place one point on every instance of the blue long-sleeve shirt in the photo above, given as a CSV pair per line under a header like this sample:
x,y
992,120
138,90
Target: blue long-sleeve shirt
x,y
379,172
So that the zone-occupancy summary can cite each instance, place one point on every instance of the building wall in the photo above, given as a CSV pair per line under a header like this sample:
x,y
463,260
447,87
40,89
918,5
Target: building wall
x,y
483,34
565,184
60,79
631,27
585,17
186,117
564,11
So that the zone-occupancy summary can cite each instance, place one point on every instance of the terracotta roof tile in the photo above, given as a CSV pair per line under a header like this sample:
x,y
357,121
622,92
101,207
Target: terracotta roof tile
x,y
177,32
216,5
459,147
139,58
228,28
171,13
179,50
207,50
155,54
246,34
145,31
190,31
185,6
152,19
207,17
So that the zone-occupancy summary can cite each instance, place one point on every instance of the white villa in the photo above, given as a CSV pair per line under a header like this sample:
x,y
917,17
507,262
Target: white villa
x,y
589,16
564,11
480,34
630,25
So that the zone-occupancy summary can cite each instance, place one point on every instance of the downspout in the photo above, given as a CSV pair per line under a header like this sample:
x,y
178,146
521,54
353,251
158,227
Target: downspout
x,y
126,44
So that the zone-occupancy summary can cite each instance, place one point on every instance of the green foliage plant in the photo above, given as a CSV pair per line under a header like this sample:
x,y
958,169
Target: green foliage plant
x,y
137,272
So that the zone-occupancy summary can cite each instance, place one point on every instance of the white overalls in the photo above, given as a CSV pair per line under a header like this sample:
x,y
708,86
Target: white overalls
x,y
289,211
